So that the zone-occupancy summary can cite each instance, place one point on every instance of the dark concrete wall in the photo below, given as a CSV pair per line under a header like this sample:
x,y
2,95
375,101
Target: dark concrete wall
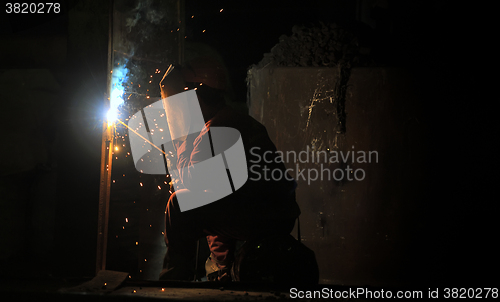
x,y
53,72
367,231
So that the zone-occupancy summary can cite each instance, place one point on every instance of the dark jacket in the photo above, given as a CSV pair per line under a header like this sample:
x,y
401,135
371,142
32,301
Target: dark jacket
x,y
265,195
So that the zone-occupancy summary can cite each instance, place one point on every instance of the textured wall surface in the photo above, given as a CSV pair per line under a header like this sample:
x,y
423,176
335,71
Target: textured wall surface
x,y
364,226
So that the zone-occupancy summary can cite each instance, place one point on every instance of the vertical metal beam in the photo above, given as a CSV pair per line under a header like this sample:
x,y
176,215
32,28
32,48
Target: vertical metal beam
x,y
106,161
104,195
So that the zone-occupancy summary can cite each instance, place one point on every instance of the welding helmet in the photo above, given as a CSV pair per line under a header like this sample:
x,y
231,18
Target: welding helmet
x,y
206,70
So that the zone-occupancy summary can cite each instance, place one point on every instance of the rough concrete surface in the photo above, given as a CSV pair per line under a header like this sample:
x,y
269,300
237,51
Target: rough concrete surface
x,y
200,294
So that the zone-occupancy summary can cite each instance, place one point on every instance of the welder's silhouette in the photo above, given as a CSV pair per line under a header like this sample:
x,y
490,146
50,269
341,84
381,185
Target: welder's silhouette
x,y
261,207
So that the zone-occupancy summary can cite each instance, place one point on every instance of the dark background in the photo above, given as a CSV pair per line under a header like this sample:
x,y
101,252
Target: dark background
x,y
51,157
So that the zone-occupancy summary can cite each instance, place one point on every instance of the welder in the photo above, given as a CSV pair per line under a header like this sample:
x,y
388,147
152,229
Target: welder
x,y
258,209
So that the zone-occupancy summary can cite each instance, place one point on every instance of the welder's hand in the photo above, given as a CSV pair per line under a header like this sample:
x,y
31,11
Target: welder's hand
x,y
173,83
